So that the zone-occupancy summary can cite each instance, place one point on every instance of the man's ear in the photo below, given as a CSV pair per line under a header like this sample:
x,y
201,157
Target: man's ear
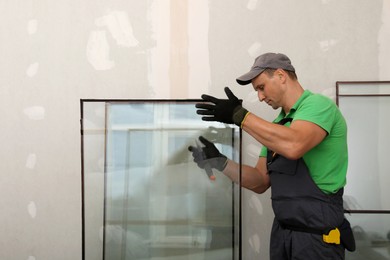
x,y
281,75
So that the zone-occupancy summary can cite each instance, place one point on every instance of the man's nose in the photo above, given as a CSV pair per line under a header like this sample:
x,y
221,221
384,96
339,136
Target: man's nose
x,y
260,95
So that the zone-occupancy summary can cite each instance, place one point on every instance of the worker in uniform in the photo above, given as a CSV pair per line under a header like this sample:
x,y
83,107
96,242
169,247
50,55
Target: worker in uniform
x,y
303,160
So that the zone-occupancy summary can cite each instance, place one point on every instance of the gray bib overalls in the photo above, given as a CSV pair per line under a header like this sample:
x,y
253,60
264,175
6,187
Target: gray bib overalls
x,y
302,212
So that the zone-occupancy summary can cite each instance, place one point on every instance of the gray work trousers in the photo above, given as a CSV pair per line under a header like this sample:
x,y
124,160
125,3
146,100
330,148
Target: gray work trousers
x,y
293,245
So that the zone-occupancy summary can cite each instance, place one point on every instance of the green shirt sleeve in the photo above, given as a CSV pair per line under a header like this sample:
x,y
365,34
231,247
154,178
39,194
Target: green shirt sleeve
x,y
328,161
317,109
263,152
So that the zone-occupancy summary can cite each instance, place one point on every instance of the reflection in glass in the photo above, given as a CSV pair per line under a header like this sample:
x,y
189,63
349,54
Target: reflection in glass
x,y
372,236
156,203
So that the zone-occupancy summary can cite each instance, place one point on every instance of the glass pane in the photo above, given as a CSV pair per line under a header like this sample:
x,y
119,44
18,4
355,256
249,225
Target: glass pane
x,y
93,136
369,147
157,203
368,178
372,236
364,88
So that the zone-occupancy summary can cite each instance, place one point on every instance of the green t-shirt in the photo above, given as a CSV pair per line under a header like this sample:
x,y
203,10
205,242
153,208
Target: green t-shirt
x,y
328,161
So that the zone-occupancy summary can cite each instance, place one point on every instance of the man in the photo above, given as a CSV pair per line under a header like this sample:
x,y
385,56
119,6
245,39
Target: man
x,y
304,158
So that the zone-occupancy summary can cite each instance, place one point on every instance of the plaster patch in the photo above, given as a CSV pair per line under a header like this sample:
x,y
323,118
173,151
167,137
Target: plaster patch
x,y
31,258
327,44
159,58
252,4
98,51
254,242
32,26
35,112
32,209
383,42
329,92
118,24
199,74
32,70
255,203
31,161
254,49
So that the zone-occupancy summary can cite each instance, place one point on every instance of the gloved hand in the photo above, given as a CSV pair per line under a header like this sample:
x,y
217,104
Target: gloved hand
x,y
208,155
227,111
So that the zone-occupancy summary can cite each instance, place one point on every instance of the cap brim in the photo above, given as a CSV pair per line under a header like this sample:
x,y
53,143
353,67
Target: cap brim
x,y
247,77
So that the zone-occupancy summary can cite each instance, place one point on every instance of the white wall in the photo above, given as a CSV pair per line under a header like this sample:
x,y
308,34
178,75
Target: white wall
x,y
53,53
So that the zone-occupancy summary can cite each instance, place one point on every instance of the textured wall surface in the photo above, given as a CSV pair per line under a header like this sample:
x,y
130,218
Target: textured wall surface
x,y
53,53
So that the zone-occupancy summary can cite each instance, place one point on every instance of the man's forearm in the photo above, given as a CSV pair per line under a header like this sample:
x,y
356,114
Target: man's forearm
x,y
278,138
251,177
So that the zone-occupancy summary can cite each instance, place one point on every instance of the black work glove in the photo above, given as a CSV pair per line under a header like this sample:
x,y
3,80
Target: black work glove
x,y
227,111
208,155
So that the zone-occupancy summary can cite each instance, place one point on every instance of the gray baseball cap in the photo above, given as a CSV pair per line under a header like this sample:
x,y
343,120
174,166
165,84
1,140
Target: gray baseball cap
x,y
266,61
